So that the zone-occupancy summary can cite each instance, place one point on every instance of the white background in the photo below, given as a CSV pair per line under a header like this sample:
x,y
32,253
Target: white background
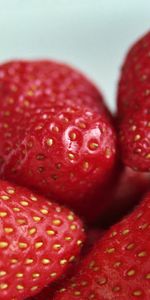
x,y
93,35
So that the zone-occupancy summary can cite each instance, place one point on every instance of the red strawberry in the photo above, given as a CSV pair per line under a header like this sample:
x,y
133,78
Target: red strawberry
x,y
134,85
47,293
125,193
134,106
38,241
118,267
135,139
55,132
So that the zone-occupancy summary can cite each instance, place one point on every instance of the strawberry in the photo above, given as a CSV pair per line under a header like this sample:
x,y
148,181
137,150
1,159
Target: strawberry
x,y
118,267
93,234
134,105
38,241
57,137
134,84
125,193
134,139
26,87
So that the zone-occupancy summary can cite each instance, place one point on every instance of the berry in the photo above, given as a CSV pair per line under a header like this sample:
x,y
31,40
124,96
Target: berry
x,y
38,241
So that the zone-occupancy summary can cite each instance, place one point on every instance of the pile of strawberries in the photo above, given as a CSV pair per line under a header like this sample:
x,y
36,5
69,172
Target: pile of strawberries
x,y
74,207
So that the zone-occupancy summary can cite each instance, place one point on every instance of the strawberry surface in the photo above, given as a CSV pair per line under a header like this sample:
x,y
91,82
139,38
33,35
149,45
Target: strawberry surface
x,y
134,105
62,144
92,236
125,193
118,267
38,241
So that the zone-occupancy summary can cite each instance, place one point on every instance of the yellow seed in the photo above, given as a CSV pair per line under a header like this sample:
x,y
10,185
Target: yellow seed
x,y
49,142
20,287
14,261
73,227
108,153
114,233
102,281
73,136
3,286
130,246
147,156
36,219
116,289
23,245
8,229
77,293
2,273
71,156
131,272
11,191
16,209
117,264
3,245
56,246
21,221
34,288
63,261
137,293
24,203
28,261
79,242
35,275
44,211
46,261
19,275
110,250
142,254
5,197
50,232
137,137
53,274
57,222
147,276
72,258
62,290
82,125
85,165
38,245
33,198
93,146
84,283
68,238
32,230
125,231
70,217
3,214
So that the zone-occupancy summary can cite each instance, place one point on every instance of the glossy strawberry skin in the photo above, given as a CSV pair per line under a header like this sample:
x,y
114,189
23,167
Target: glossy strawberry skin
x,y
134,139
92,236
134,84
38,241
125,193
28,86
134,106
118,266
57,135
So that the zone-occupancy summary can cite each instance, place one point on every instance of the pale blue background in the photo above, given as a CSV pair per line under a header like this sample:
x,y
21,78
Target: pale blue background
x,y
93,35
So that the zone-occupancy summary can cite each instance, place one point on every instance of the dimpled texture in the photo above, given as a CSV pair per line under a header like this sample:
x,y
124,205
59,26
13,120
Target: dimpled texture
x,y
134,84
118,267
135,139
57,136
28,87
134,106
39,240
92,235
